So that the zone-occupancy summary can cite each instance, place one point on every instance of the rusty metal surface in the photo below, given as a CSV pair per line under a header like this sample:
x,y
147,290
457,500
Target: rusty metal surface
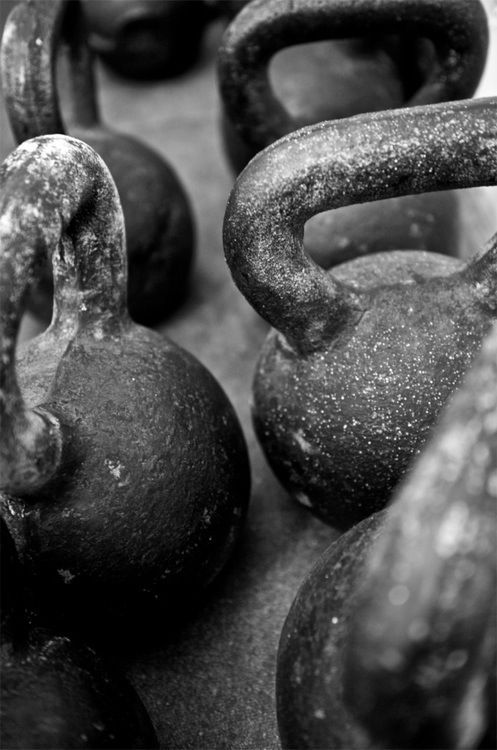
x,y
213,684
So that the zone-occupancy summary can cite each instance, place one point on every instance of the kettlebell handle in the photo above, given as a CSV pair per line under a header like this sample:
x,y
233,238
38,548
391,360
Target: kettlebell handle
x,y
458,30
338,163
28,54
56,197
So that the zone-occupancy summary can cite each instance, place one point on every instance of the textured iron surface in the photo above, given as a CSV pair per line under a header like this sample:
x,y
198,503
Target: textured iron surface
x,y
345,78
159,225
123,465
422,652
349,385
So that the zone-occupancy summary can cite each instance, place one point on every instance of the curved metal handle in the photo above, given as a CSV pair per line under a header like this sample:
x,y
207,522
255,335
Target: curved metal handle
x,y
333,164
422,641
28,53
458,30
56,197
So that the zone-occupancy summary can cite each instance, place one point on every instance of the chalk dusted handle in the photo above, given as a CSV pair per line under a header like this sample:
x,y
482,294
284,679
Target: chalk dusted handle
x,y
33,34
56,197
338,163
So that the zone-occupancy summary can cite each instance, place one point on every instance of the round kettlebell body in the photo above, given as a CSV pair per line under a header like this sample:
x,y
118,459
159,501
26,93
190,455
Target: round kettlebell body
x,y
149,477
362,359
159,225
154,460
381,57
147,39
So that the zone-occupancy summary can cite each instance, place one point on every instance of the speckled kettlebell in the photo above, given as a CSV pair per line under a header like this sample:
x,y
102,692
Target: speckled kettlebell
x,y
362,359
124,470
391,641
159,226
56,693
376,62
147,39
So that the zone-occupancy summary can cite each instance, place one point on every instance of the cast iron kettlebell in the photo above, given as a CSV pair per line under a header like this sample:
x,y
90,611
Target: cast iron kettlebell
x,y
56,693
383,69
159,228
391,640
123,466
59,694
147,39
351,381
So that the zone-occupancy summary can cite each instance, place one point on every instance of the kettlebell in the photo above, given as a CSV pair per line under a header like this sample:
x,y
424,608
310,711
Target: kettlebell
x,y
147,39
124,471
55,692
383,55
362,359
391,640
159,226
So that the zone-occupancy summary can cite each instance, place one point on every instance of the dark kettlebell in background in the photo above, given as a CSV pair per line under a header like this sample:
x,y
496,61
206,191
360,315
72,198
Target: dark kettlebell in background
x,y
147,39
383,55
159,228
361,361
59,694
391,640
56,693
123,466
